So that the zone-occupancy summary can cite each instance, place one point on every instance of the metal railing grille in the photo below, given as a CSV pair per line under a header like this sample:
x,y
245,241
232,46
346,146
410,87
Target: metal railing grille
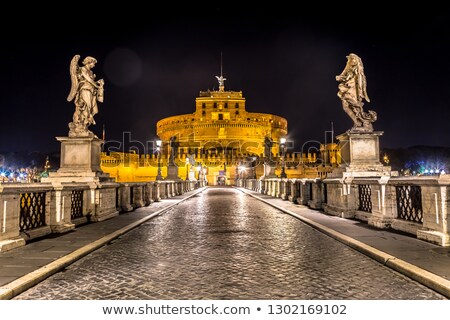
x,y
365,199
131,195
76,206
298,190
310,191
409,203
32,210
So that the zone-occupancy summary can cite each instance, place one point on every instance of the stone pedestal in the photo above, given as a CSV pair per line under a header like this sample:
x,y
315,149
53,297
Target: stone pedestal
x,y
80,160
360,153
172,172
80,164
269,171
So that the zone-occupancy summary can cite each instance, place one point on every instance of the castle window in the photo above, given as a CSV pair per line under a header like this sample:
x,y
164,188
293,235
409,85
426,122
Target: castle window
x,y
203,113
237,105
220,116
203,105
215,104
226,104
237,112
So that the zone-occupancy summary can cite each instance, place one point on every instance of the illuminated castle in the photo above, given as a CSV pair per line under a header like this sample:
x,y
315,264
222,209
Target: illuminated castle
x,y
219,137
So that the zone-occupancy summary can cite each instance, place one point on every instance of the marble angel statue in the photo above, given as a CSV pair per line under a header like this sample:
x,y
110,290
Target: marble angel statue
x,y
85,92
352,91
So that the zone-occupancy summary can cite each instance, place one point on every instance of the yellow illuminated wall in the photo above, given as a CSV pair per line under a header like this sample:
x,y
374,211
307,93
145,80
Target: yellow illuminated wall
x,y
221,135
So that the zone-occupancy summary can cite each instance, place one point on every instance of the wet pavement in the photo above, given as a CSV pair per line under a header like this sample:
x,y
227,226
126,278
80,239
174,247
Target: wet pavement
x,y
224,244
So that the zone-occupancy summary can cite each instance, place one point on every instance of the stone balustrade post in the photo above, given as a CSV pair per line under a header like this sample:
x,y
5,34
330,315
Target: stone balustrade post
x,y
148,190
382,214
163,189
138,193
9,219
61,206
157,191
262,186
317,197
125,198
269,187
435,206
304,192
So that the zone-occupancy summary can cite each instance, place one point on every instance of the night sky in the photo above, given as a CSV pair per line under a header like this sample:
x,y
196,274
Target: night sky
x,y
155,66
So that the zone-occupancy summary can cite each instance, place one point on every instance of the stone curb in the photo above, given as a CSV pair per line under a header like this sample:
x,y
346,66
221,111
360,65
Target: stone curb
x,y
29,280
420,275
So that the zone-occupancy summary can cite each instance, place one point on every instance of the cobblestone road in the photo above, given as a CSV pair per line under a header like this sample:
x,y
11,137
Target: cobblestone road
x,y
222,244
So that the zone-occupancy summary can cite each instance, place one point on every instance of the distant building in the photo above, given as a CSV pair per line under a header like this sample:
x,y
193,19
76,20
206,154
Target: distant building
x,y
221,136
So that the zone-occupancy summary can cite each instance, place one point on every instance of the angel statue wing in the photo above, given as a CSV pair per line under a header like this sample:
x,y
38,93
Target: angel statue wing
x,y
360,79
363,83
73,77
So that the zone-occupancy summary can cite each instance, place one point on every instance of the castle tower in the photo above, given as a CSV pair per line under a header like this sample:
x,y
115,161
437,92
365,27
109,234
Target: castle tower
x,y
221,133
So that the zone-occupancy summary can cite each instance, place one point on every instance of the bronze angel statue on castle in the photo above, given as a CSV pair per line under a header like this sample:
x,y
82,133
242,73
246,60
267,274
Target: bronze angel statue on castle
x,y
85,92
352,91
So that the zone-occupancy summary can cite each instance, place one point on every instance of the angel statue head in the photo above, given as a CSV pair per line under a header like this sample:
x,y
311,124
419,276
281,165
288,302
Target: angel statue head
x,y
89,60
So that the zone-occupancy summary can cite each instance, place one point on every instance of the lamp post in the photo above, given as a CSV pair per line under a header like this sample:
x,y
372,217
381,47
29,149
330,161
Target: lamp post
x,y
253,167
187,169
241,171
158,149
205,171
283,154
199,171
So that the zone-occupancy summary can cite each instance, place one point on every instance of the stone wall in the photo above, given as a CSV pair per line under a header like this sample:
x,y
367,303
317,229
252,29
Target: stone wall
x,y
30,211
416,205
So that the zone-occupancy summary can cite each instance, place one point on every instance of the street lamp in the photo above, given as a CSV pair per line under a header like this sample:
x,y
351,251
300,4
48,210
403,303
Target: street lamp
x,y
47,164
158,149
386,159
242,170
283,154
187,168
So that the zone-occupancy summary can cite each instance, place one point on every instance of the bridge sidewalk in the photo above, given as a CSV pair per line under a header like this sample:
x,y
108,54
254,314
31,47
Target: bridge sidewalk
x,y
426,263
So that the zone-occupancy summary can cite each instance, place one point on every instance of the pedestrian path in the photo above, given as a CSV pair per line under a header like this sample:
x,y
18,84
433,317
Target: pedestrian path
x,y
426,263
